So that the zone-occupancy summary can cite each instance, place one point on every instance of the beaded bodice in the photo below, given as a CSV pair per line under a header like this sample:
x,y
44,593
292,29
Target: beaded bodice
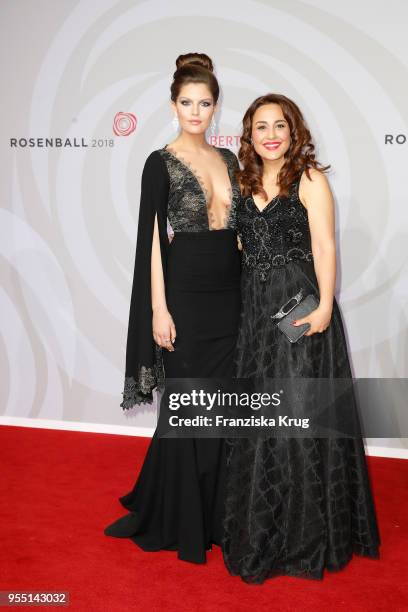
x,y
276,235
187,207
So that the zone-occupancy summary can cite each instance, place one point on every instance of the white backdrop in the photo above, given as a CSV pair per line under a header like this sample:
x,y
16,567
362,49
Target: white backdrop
x,y
69,213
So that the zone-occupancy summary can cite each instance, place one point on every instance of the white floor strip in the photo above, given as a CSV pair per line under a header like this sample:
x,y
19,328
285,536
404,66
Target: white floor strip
x,y
122,430
126,430
387,451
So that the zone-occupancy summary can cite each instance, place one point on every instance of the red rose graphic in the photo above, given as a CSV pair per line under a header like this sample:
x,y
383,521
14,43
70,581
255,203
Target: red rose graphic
x,y
124,124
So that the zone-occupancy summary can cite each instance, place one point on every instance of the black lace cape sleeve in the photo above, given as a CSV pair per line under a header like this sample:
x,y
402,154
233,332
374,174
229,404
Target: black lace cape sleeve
x,y
144,367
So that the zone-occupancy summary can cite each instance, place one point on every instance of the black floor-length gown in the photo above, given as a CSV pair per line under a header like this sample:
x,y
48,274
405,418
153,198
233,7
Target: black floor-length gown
x,y
294,506
177,500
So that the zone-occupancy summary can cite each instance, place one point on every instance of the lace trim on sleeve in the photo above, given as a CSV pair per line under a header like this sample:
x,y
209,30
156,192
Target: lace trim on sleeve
x,y
139,390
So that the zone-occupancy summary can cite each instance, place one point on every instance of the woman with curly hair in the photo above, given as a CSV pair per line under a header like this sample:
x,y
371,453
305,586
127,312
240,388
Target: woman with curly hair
x,y
296,505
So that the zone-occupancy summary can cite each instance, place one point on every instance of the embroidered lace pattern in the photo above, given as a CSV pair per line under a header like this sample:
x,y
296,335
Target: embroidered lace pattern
x,y
138,390
188,206
276,235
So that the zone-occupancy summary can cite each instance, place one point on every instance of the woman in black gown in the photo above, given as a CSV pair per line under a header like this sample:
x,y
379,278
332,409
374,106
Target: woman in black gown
x,y
183,319
294,506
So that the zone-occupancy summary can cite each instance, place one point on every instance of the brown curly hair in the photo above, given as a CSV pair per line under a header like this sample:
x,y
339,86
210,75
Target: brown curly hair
x,y
300,155
194,68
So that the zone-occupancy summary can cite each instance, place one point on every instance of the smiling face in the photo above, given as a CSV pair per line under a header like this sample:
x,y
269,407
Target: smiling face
x,y
270,132
194,108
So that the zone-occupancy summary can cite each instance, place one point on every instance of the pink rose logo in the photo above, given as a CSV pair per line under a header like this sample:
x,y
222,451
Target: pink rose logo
x,y
124,124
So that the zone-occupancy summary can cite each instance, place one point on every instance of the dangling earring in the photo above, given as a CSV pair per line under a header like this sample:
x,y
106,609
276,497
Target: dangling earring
x,y
213,127
175,123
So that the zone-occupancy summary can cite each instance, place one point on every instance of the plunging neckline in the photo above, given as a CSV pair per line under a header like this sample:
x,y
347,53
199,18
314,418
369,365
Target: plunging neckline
x,y
197,177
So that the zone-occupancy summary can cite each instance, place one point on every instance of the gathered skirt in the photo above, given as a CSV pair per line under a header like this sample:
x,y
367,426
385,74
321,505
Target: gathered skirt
x,y
177,502
294,506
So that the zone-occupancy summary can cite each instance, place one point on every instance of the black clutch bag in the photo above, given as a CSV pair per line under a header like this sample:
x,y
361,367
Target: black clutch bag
x,y
298,307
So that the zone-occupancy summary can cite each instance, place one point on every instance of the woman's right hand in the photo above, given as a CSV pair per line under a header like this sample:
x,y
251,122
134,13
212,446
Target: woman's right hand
x,y
164,330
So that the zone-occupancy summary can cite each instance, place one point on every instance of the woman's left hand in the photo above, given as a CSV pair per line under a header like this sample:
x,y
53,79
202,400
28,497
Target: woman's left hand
x,y
319,320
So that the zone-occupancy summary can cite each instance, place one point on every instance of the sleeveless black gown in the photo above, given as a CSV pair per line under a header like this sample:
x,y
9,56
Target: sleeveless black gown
x,y
177,502
294,506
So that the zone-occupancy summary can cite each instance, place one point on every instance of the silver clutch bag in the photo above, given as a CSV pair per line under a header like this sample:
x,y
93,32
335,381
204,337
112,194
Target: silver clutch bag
x,y
298,307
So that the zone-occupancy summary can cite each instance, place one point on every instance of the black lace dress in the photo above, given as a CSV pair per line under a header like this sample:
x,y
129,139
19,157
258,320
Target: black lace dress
x,y
177,500
294,505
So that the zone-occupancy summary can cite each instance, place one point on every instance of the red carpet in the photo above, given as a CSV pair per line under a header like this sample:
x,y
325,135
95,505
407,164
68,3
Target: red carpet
x,y
59,490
